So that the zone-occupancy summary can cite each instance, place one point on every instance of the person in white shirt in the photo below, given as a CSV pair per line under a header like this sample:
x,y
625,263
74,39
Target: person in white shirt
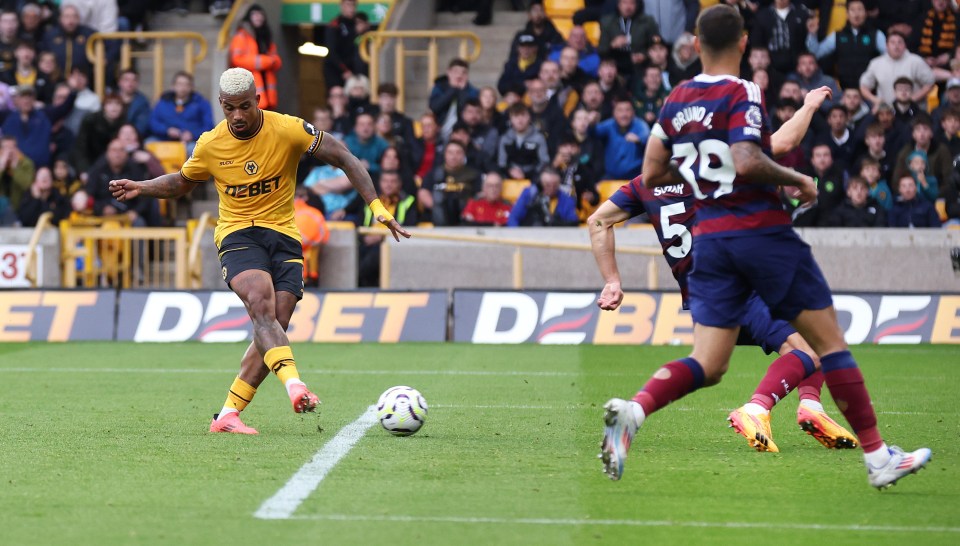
x,y
876,83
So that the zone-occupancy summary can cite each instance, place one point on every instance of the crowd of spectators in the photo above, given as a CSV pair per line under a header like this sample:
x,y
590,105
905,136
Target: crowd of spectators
x,y
62,143
564,115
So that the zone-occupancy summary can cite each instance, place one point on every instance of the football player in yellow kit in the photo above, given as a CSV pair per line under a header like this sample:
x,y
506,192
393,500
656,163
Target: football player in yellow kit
x,y
252,156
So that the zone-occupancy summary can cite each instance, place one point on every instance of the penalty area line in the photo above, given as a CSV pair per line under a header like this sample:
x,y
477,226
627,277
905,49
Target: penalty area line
x,y
285,502
632,523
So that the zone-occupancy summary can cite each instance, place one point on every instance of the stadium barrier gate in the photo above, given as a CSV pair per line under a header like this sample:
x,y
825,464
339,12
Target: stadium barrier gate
x,y
194,51
372,43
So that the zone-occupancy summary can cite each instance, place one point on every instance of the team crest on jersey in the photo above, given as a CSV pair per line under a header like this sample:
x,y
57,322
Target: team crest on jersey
x,y
754,117
251,167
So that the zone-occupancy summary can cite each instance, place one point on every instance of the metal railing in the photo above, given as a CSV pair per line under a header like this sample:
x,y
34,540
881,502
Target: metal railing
x,y
106,251
194,51
653,266
45,221
195,232
376,41
223,37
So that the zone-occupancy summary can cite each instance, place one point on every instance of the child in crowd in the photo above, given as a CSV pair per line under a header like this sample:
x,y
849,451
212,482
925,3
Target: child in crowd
x,y
927,185
910,210
878,188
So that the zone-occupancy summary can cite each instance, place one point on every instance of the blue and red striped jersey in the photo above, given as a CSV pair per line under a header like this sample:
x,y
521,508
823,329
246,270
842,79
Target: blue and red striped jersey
x,y
670,209
698,123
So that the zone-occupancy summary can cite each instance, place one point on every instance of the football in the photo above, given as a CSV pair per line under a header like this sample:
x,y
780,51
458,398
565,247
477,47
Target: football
x,y
402,410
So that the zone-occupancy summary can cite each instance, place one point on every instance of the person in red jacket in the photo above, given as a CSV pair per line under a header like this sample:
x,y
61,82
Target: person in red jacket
x,y
488,208
253,48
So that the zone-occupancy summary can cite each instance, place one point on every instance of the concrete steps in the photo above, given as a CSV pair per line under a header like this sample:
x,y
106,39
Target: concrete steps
x,y
495,46
205,73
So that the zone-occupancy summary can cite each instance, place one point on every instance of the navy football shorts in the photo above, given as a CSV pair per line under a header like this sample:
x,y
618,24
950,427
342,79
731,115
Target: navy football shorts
x,y
267,250
778,266
760,329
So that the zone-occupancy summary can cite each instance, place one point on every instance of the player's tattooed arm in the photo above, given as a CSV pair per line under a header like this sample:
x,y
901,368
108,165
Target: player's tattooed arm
x,y
658,167
167,186
333,152
757,168
752,164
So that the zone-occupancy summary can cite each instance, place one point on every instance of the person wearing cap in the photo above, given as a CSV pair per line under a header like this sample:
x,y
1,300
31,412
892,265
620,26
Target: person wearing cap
x,y
525,66
29,126
540,27
950,101
855,44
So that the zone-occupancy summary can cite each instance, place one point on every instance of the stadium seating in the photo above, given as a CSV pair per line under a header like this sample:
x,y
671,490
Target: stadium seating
x,y
941,206
172,155
562,8
933,98
562,18
592,28
606,188
513,187
563,24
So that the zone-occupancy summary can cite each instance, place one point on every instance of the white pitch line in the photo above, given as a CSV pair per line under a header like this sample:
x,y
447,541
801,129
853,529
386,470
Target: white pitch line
x,y
306,480
634,523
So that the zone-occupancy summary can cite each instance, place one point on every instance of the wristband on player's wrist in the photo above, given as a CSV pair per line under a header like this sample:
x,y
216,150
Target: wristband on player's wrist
x,y
377,208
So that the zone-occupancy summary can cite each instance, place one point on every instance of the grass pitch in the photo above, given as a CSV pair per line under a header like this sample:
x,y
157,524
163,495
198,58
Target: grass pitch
x,y
106,443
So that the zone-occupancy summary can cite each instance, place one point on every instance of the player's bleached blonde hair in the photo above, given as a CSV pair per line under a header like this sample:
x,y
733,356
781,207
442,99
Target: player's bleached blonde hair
x,y
236,81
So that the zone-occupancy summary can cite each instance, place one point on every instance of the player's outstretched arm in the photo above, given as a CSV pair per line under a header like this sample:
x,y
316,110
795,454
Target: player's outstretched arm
x,y
658,168
603,245
754,165
791,133
333,151
167,186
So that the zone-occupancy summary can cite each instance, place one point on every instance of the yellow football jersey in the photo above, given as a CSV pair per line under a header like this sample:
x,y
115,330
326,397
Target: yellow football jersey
x,y
255,176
